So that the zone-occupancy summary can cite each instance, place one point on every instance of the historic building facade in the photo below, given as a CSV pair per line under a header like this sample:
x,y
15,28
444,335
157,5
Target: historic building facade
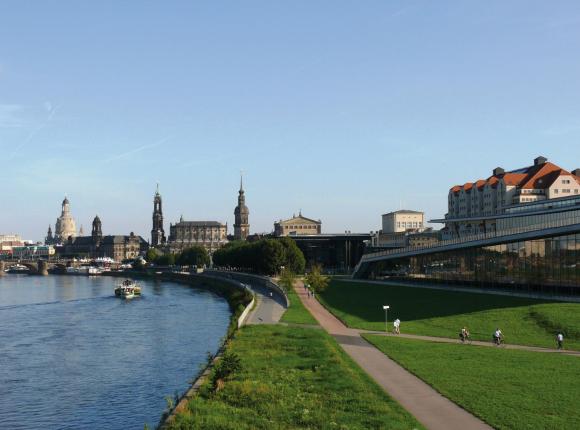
x,y
65,226
241,214
157,232
117,247
212,235
297,225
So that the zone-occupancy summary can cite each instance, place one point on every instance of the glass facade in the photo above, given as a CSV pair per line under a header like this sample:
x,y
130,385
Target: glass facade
x,y
544,265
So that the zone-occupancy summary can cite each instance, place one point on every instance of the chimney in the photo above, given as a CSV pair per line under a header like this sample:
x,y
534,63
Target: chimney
x,y
576,172
540,160
498,171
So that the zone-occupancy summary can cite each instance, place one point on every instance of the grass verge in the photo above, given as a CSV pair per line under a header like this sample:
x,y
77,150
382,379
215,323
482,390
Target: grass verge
x,y
443,313
508,389
293,378
297,313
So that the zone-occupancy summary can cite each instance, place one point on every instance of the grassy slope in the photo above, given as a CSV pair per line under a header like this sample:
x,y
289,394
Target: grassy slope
x,y
294,378
508,389
443,313
297,313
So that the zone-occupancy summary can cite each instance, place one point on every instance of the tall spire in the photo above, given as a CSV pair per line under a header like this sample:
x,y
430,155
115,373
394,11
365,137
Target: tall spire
x,y
157,190
241,181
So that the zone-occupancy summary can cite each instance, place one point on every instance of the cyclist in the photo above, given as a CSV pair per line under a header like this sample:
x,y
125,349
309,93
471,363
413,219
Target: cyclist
x,y
464,335
497,337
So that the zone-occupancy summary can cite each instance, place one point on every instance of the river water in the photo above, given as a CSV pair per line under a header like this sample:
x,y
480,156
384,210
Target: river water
x,y
74,356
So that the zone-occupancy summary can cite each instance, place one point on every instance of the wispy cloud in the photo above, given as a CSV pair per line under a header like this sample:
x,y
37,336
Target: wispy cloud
x,y
136,150
51,113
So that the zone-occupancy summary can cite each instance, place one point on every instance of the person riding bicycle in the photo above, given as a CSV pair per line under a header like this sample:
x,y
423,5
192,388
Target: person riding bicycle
x,y
497,336
464,334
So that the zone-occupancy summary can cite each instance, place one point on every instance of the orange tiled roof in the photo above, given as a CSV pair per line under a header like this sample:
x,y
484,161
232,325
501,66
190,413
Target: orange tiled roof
x,y
493,181
480,183
542,176
456,189
513,178
468,186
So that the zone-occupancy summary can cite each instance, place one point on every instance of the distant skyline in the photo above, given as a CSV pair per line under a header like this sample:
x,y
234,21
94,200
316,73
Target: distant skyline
x,y
343,110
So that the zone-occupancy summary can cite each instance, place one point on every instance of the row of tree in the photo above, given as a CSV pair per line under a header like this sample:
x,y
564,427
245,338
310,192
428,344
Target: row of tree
x,y
265,256
193,256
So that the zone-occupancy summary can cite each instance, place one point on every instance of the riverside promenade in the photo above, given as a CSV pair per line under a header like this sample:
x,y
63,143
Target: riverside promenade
x,y
428,406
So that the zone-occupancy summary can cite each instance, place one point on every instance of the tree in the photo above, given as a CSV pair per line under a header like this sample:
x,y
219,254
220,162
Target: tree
x,y
196,255
166,260
152,255
270,256
287,279
294,258
317,281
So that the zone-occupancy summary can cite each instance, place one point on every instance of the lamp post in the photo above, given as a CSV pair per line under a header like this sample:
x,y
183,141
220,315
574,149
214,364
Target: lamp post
x,y
386,308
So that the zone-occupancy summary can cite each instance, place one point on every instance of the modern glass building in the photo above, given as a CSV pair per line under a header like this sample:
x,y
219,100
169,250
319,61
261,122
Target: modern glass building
x,y
536,250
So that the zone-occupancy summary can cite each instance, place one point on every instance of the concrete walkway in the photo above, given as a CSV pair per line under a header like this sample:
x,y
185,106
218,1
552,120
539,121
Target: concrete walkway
x,y
428,406
270,306
475,342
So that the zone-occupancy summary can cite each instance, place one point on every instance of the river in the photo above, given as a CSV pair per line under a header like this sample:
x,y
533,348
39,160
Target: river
x,y
74,356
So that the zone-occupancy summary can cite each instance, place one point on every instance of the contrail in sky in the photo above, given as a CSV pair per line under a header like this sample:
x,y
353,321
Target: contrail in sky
x,y
139,149
33,133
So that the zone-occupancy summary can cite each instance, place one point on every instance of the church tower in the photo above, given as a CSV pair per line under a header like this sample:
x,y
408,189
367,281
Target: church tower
x,y
97,233
49,239
241,213
157,233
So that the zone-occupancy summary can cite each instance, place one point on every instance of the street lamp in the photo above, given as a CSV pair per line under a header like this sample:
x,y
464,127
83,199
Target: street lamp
x,y
386,308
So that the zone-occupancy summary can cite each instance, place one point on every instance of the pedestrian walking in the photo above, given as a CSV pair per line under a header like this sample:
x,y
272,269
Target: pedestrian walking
x,y
560,340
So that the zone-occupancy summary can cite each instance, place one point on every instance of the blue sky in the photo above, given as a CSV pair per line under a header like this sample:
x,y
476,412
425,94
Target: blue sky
x,y
343,109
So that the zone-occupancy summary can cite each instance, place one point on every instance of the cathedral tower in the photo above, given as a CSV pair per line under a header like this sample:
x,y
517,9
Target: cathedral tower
x,y
242,213
97,233
157,233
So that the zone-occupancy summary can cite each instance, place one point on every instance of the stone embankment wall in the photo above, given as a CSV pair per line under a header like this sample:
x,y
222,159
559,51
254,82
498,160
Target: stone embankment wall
x,y
251,280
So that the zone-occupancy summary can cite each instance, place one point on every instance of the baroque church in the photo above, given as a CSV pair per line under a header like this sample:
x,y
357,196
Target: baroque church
x,y
64,227
212,235
117,247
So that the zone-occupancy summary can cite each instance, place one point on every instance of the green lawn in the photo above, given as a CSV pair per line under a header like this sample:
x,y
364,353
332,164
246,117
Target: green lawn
x,y
294,378
443,313
508,389
297,313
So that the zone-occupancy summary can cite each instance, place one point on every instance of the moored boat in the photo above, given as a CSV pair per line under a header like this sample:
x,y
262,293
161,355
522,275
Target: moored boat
x,y
18,268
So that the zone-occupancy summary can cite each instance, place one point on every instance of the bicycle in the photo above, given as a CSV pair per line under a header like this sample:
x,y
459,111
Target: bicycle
x,y
499,341
465,339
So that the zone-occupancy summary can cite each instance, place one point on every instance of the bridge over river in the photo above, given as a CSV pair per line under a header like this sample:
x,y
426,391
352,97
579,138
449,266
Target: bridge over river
x,y
38,266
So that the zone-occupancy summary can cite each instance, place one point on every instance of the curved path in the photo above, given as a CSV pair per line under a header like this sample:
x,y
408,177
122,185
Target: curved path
x,y
429,407
270,306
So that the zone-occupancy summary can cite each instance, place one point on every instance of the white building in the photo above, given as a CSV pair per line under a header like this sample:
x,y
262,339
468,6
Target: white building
x,y
403,220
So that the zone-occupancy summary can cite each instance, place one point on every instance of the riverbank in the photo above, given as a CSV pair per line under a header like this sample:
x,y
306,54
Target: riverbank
x,y
291,377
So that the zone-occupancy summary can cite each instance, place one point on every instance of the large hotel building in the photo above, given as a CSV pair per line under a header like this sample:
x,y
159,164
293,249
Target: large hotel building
x,y
477,207
518,230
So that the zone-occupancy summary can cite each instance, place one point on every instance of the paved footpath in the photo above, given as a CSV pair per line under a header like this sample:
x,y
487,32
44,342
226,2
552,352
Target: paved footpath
x,y
270,306
428,406
475,342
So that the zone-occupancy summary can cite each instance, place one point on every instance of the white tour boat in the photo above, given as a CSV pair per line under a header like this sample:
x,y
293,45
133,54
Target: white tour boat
x,y
128,289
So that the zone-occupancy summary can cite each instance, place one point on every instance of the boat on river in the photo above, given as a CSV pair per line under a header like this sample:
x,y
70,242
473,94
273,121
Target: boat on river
x,y
18,268
128,289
